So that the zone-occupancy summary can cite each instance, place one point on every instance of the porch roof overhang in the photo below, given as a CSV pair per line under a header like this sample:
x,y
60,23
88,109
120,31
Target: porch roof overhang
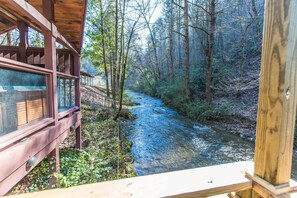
x,y
69,18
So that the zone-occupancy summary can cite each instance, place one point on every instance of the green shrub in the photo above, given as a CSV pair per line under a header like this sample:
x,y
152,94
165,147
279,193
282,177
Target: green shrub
x,y
203,111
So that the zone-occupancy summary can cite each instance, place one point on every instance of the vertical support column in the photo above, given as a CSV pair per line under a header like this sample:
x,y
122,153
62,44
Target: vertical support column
x,y
77,83
51,63
54,158
78,137
77,97
277,101
50,60
23,45
277,94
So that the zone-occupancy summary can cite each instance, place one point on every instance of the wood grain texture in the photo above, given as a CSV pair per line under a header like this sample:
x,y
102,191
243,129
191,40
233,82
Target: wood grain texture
x,y
67,27
277,95
199,182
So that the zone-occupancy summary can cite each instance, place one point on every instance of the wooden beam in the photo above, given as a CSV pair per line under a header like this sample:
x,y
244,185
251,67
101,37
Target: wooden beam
x,y
11,138
48,10
77,82
23,45
51,63
29,11
277,94
61,39
199,182
11,64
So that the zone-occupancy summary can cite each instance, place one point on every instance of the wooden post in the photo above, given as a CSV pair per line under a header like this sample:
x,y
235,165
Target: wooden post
x,y
23,45
277,97
78,137
50,60
277,102
48,10
77,81
50,63
53,159
77,97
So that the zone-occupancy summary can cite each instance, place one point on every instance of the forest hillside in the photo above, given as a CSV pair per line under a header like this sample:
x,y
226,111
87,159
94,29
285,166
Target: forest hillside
x,y
201,57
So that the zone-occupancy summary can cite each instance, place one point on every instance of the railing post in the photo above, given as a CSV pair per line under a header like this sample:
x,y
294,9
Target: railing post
x,y
277,98
23,45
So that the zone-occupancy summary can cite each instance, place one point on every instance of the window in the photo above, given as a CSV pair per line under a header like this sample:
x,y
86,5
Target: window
x,y
66,94
22,99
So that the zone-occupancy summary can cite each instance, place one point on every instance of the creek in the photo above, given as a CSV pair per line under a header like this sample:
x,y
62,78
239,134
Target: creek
x,y
163,140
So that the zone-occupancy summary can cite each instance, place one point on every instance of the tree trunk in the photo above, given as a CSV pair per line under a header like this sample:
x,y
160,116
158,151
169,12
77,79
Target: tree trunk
x,y
178,36
116,65
103,48
124,71
212,10
187,55
171,64
257,20
242,60
154,47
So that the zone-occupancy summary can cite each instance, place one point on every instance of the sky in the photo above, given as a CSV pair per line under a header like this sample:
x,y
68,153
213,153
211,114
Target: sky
x,y
145,32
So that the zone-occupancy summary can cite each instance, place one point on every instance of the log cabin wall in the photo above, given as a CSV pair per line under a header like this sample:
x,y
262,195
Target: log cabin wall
x,y
34,117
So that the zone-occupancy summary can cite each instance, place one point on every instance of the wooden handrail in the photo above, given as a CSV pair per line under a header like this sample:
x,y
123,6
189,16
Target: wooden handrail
x,y
199,182
63,75
11,64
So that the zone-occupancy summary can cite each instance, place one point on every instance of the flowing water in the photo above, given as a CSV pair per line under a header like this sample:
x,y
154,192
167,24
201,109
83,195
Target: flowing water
x,y
164,140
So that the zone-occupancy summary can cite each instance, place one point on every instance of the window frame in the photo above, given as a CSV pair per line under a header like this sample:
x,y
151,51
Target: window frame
x,y
37,125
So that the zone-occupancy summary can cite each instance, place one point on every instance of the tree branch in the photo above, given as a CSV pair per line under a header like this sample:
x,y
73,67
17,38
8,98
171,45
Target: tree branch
x,y
199,6
198,28
179,33
181,7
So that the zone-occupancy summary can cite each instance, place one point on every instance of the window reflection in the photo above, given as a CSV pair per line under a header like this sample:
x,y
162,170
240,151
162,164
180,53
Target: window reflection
x,y
22,99
66,94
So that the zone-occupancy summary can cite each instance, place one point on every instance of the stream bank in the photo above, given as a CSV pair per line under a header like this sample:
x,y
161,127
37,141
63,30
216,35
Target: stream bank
x,y
164,140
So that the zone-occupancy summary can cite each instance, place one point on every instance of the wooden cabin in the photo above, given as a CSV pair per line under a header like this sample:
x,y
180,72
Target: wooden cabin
x,y
39,87
269,174
86,79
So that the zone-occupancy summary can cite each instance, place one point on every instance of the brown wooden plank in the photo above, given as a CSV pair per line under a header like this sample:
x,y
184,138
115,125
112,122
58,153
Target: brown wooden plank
x,y
22,66
11,138
23,45
199,182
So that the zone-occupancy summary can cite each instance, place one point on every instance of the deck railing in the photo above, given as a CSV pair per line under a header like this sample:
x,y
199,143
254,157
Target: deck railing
x,y
199,182
35,56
